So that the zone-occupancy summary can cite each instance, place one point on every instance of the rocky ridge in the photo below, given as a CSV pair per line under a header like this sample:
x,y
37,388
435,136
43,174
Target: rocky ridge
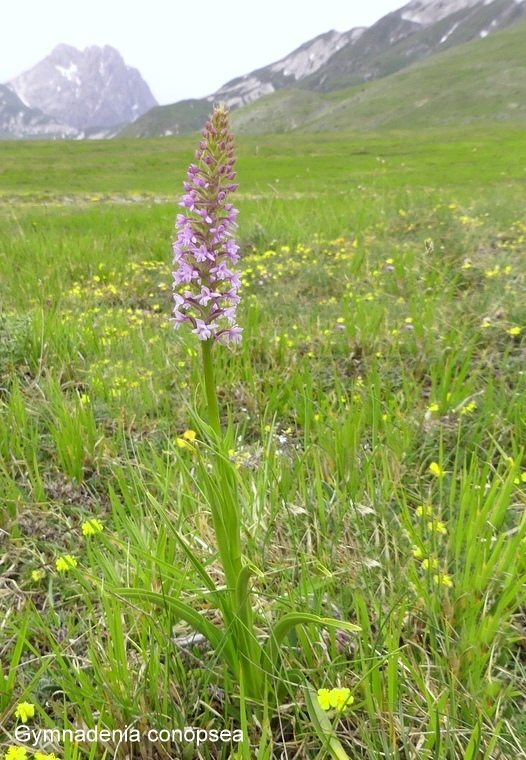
x,y
19,121
93,88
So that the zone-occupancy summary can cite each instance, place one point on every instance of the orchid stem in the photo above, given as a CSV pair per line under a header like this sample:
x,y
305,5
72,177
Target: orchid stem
x,y
210,388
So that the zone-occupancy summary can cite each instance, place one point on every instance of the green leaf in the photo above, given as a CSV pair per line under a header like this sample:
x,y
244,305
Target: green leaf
x,y
292,619
221,642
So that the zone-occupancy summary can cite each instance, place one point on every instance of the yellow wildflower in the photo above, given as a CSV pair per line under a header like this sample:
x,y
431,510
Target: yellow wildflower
x,y
90,527
338,698
324,699
469,407
443,579
187,437
24,710
437,470
427,563
37,575
437,526
42,756
424,509
183,444
514,330
65,563
15,753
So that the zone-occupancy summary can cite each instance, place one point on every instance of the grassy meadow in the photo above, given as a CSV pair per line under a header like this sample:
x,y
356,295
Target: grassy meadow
x,y
375,410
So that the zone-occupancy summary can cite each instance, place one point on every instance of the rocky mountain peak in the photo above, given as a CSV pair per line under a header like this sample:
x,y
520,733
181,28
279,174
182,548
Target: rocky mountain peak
x,y
85,89
302,62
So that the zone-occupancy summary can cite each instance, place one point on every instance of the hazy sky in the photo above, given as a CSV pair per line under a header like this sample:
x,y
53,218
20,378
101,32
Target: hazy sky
x,y
182,49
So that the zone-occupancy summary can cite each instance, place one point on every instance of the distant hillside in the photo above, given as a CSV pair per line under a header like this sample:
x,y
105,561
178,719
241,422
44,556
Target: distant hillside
x,y
291,93
299,65
189,115
164,121
418,30
480,80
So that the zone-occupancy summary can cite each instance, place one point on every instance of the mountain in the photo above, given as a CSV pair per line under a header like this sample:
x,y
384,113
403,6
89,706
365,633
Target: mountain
x,y
291,92
482,80
416,31
304,61
189,115
429,62
85,89
19,121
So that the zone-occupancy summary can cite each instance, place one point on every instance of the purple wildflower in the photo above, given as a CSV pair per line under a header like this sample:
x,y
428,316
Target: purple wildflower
x,y
205,248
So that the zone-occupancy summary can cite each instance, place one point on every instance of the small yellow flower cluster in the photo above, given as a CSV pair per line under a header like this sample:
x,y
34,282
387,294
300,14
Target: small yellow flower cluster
x,y
187,439
16,753
468,408
424,509
443,579
335,698
24,710
65,563
438,528
464,408
90,527
20,753
437,470
497,271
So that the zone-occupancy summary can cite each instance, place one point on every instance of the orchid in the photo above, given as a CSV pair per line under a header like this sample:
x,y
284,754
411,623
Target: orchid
x,y
205,249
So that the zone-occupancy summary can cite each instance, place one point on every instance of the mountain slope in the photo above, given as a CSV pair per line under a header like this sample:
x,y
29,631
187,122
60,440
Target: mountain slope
x,y
336,61
189,115
414,32
301,63
19,121
90,88
164,121
480,80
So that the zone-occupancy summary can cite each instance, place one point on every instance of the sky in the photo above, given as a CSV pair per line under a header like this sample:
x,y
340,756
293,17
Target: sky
x,y
182,49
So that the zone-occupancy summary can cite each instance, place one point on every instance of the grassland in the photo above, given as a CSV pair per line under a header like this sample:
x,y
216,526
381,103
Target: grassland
x,y
376,411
